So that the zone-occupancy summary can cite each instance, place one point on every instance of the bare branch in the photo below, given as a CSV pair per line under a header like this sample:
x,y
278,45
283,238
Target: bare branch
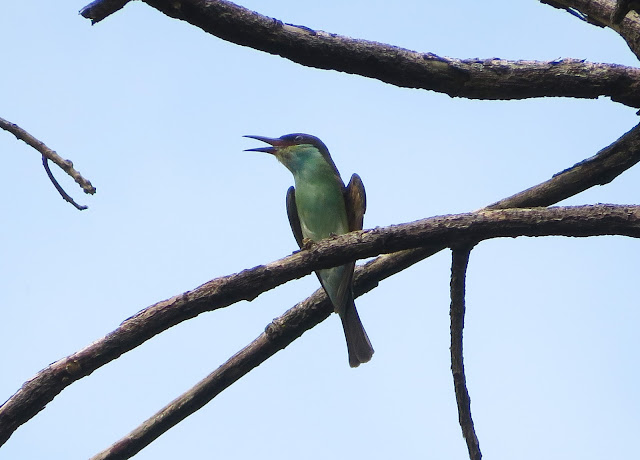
x,y
460,260
471,78
48,154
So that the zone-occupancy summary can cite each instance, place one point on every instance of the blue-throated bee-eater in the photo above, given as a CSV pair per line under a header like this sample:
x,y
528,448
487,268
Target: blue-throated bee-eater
x,y
318,207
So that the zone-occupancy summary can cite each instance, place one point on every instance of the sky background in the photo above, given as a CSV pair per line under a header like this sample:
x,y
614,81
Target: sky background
x,y
152,111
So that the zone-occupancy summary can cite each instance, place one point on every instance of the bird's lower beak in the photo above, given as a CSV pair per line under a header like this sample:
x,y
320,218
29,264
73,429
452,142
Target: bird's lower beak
x,y
274,142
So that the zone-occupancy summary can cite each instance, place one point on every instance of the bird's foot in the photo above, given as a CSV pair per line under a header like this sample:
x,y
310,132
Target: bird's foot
x,y
307,243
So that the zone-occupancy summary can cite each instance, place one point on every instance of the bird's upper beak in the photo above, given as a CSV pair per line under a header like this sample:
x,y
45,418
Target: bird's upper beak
x,y
274,142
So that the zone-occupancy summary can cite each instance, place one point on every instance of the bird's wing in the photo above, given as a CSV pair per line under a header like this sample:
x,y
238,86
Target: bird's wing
x,y
355,202
292,212
355,205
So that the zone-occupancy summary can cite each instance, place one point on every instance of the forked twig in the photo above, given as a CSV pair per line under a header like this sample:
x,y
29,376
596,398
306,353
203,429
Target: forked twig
x,y
49,154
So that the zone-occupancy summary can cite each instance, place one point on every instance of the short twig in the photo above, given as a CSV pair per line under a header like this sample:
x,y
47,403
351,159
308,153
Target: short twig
x,y
460,260
48,154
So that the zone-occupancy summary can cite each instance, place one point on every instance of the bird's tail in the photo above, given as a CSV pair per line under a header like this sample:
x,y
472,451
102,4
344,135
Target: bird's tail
x,y
358,344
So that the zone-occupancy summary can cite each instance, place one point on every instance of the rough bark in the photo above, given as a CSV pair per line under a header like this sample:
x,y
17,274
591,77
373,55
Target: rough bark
x,y
471,78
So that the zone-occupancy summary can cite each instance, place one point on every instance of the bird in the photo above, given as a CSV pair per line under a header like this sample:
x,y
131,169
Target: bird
x,y
319,206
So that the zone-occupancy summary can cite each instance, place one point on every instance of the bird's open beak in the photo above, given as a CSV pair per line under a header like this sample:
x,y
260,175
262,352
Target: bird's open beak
x,y
274,142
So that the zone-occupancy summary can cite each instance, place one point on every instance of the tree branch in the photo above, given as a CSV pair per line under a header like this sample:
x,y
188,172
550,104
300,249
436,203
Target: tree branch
x,y
48,154
472,78
459,262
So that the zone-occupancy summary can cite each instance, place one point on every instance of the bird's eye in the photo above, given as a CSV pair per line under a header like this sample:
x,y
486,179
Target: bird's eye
x,y
298,139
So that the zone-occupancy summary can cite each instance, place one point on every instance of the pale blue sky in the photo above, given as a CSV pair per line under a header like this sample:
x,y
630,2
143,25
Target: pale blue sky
x,y
152,111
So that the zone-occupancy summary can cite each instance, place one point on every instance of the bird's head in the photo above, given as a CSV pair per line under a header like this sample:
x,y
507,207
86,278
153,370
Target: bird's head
x,y
296,151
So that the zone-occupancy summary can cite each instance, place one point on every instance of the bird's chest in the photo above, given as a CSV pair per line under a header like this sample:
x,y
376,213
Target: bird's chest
x,y
321,209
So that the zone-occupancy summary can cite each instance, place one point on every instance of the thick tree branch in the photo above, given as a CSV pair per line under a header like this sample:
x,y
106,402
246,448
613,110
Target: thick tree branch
x,y
248,284
604,13
48,154
471,78
460,260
